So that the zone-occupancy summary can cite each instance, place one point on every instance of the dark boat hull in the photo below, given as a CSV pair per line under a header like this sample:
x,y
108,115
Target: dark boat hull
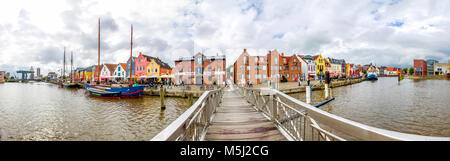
x,y
71,85
103,94
128,91
125,92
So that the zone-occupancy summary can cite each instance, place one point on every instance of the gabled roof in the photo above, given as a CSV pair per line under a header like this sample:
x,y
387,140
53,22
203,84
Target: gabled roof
x,y
157,60
315,57
391,69
300,57
111,67
308,57
124,66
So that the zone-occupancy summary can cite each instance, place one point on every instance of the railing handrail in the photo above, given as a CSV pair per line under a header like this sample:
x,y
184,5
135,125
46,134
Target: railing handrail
x,y
178,126
353,128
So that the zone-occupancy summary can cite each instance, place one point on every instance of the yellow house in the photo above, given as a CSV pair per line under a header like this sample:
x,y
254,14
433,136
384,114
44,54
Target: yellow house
x,y
153,68
320,64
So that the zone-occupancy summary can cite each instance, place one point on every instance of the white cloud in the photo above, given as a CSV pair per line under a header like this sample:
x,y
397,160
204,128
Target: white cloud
x,y
35,32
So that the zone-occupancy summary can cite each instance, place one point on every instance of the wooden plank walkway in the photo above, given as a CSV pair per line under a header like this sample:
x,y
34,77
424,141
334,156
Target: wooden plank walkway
x,y
236,120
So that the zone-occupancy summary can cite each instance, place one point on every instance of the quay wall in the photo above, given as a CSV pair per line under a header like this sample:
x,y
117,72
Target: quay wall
x,y
337,83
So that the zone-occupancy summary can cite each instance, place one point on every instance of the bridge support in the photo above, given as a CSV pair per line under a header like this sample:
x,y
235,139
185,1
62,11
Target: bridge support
x,y
326,92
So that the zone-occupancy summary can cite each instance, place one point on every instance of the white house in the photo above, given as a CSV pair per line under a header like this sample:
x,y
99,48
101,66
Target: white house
x,y
107,71
120,71
311,66
304,67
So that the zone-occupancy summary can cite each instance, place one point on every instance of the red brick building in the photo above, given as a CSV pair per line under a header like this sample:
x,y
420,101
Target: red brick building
x,y
420,67
260,69
200,69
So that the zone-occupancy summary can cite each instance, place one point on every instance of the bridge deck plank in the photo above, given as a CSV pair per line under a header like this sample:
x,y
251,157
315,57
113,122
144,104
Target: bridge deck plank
x,y
236,119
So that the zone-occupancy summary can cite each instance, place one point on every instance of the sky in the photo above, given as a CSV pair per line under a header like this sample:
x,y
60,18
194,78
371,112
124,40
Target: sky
x,y
383,32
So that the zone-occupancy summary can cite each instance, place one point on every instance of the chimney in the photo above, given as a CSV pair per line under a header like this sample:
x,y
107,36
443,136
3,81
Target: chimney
x,y
245,50
282,54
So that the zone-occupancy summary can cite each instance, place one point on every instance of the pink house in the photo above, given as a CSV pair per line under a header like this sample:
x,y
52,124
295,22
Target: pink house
x,y
141,63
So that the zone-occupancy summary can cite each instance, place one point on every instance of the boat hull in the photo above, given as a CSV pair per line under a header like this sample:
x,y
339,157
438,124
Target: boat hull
x,y
137,91
372,77
103,94
125,92
71,85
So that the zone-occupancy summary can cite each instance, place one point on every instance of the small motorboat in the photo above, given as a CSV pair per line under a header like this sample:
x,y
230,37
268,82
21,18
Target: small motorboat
x,y
372,74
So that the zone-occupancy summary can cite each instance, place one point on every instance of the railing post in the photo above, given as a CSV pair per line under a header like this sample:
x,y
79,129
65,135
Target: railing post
x,y
273,106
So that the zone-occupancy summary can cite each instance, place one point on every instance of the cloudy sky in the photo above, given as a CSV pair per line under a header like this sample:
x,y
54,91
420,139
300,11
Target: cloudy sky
x,y
385,32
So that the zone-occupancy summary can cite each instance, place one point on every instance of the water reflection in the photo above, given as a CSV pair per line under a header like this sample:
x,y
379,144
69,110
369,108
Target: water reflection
x,y
411,106
42,111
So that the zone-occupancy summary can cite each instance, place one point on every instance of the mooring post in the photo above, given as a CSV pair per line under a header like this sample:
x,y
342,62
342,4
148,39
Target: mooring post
x,y
327,82
191,100
161,95
308,94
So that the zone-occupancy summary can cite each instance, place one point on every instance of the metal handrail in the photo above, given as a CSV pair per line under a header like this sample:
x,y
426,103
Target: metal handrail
x,y
192,124
300,121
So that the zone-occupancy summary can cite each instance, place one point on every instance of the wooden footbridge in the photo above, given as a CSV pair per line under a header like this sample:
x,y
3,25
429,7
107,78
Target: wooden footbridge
x,y
245,114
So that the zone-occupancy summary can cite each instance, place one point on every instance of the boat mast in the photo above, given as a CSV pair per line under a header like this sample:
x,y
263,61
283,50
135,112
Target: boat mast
x,y
98,66
131,53
71,64
64,65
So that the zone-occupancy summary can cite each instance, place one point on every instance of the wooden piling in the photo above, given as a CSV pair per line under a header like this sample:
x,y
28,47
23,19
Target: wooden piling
x,y
326,91
161,96
191,99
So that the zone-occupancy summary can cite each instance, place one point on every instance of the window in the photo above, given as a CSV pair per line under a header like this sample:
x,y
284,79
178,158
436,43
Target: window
x,y
119,69
284,60
241,67
295,60
264,67
248,67
276,61
209,69
281,68
256,59
248,76
119,74
245,59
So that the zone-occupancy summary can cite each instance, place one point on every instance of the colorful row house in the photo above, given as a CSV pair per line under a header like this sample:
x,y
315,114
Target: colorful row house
x,y
320,65
311,63
150,66
200,69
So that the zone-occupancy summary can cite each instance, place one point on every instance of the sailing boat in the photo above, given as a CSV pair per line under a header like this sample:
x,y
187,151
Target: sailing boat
x,y
71,84
121,92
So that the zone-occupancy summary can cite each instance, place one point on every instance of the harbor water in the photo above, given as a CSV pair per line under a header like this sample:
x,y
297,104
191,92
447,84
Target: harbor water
x,y
42,111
